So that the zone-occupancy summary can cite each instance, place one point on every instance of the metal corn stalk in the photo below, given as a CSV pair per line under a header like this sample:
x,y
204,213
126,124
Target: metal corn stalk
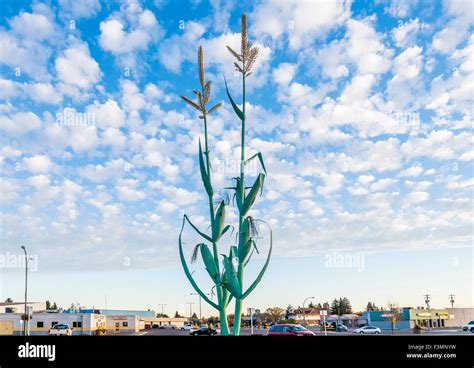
x,y
239,256
217,218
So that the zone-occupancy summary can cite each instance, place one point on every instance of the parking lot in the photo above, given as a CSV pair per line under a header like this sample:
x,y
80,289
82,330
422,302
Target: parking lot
x,y
247,332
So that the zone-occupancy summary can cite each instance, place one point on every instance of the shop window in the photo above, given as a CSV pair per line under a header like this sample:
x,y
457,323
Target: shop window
x,y
39,324
77,324
124,324
53,323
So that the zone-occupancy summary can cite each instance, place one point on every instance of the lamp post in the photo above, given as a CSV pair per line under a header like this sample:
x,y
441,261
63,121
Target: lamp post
x,y
200,302
190,310
162,309
26,288
304,313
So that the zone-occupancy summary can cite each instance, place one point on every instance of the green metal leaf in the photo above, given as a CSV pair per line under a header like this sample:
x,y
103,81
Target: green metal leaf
x,y
244,237
262,272
239,112
260,158
189,275
197,230
250,198
204,174
219,220
239,194
209,262
233,284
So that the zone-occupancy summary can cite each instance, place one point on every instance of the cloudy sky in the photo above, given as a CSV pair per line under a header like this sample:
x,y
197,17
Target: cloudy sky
x,y
361,109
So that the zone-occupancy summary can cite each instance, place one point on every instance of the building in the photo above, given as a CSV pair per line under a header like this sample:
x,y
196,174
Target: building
x,y
41,322
310,316
408,317
459,316
19,307
122,324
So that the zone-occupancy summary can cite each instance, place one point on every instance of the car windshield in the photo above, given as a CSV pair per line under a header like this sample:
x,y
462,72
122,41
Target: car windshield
x,y
298,328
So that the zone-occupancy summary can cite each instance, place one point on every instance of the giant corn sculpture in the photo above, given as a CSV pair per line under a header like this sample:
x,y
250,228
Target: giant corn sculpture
x,y
229,283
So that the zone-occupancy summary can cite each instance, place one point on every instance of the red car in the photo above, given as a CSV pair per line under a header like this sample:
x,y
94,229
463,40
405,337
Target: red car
x,y
147,326
289,330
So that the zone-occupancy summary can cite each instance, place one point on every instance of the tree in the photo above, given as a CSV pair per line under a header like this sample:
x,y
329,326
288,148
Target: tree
x,y
335,307
289,311
48,305
344,306
54,307
8,300
162,315
275,314
177,315
371,307
310,305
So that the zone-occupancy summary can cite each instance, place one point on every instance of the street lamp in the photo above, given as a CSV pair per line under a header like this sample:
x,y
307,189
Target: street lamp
x,y
162,306
26,288
190,310
200,302
304,313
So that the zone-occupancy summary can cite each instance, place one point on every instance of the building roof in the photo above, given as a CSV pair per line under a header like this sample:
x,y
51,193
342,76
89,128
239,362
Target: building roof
x,y
4,304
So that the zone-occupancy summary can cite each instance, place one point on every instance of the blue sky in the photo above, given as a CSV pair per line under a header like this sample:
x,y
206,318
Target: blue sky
x,y
361,109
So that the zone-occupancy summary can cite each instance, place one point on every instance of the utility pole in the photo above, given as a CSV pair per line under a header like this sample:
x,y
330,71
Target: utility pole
x,y
200,303
427,301
190,310
26,289
162,305
451,300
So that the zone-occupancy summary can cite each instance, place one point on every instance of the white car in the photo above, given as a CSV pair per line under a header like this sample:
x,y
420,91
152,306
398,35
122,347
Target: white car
x,y
60,330
187,327
368,330
469,327
169,327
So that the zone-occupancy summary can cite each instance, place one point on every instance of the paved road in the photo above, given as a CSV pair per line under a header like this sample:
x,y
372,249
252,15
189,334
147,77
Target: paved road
x,y
246,332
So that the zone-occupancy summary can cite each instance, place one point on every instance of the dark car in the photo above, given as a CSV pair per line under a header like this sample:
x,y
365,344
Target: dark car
x,y
155,325
289,330
204,331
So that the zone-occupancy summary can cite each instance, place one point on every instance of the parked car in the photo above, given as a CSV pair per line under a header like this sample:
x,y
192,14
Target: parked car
x,y
147,326
60,330
368,330
469,327
168,327
341,328
187,327
155,325
289,330
203,331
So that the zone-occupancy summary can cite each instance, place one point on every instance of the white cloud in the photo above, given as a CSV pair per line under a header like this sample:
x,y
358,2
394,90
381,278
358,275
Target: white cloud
x,y
37,164
416,197
302,22
365,47
43,92
284,73
412,171
108,114
20,123
405,33
32,26
80,9
408,64
76,67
